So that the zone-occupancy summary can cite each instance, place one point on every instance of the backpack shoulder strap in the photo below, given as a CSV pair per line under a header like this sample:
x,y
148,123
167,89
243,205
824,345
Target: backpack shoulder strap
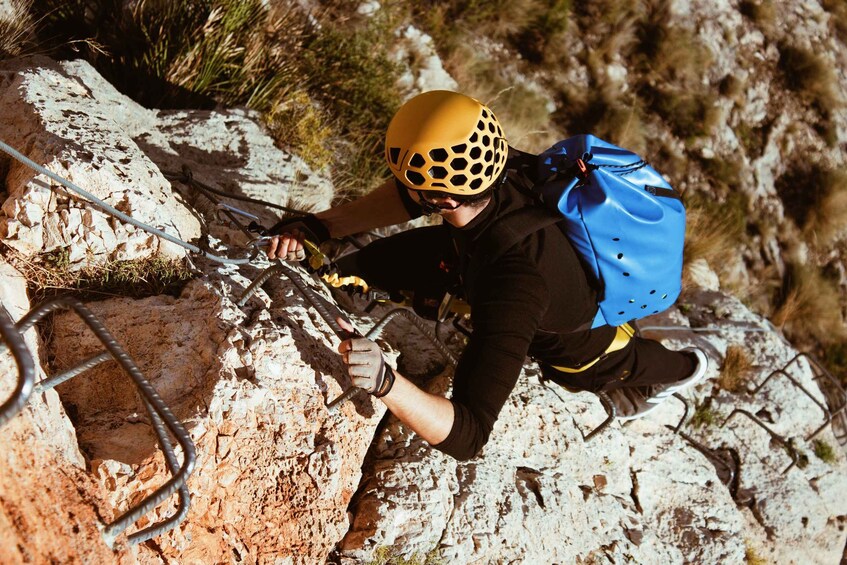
x,y
510,230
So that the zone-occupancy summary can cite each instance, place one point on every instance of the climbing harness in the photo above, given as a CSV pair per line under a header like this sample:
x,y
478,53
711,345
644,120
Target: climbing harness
x,y
161,417
623,334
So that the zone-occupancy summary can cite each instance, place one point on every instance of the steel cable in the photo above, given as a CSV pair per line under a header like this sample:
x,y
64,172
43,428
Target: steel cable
x,y
103,206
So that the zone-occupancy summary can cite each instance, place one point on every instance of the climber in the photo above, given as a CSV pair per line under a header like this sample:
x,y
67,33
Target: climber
x,y
448,156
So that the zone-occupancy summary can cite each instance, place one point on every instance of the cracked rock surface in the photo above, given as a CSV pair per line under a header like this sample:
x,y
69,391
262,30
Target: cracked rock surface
x,y
636,493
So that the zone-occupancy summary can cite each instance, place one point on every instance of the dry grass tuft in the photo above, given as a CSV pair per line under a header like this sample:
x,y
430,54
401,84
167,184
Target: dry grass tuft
x,y
815,197
752,557
522,111
826,221
532,27
52,273
671,60
17,29
760,12
809,307
811,76
736,366
715,230
299,125
838,17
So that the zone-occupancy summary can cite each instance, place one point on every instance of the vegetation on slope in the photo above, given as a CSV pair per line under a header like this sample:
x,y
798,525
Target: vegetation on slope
x,y
627,71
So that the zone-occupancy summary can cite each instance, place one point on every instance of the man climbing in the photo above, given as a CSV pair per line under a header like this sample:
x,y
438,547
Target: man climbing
x,y
449,157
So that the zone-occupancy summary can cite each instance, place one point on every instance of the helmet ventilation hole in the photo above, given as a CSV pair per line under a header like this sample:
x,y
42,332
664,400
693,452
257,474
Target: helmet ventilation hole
x,y
417,160
415,178
438,155
394,155
437,172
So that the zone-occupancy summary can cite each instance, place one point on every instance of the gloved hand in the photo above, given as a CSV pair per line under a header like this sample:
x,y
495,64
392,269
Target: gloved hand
x,y
313,229
291,232
366,366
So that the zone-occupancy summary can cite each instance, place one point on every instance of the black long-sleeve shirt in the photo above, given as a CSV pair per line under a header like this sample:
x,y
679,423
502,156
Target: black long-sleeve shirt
x,y
529,301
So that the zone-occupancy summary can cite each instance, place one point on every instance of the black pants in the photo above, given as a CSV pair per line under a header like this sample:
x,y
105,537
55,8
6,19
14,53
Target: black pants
x,y
643,362
423,260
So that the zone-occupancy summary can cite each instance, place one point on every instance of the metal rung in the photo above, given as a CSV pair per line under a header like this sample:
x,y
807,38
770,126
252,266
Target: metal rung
x,y
775,436
784,372
160,414
14,340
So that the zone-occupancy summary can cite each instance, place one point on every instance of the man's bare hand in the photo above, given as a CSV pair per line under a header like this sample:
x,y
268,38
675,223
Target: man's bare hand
x,y
287,246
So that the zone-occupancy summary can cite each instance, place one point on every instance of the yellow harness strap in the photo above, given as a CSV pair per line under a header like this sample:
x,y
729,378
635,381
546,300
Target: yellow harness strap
x,y
622,337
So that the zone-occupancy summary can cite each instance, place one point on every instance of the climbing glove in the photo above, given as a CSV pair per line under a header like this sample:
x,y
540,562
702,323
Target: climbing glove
x,y
367,367
312,228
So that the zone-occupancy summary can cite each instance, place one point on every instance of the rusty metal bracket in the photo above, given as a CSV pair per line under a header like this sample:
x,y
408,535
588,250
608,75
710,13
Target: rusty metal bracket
x,y
730,472
792,452
784,372
14,340
611,414
161,417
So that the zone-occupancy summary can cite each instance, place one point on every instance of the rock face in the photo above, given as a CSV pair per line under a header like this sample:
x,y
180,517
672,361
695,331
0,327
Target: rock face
x,y
65,117
55,119
48,503
639,493
275,468
279,478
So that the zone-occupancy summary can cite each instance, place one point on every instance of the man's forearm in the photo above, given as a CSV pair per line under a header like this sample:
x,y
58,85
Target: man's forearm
x,y
428,415
382,207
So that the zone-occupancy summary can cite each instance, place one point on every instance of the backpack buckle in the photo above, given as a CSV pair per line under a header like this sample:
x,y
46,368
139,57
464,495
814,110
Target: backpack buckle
x,y
583,169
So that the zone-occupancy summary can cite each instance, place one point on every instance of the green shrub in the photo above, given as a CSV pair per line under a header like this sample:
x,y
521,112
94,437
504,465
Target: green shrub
x,y
182,54
824,451
313,82
299,125
704,416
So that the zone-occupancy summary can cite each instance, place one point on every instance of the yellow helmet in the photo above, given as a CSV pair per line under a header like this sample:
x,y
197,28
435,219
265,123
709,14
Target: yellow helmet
x,y
446,141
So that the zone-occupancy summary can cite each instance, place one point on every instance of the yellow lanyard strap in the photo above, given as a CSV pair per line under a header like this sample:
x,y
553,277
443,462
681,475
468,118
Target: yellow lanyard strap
x,y
622,337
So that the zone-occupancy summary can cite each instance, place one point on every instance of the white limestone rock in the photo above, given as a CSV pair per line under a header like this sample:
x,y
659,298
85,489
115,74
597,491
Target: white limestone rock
x,y
58,120
424,70
637,493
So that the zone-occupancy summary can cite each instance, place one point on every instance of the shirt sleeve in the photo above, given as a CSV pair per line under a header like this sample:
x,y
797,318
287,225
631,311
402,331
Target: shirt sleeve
x,y
509,303
412,207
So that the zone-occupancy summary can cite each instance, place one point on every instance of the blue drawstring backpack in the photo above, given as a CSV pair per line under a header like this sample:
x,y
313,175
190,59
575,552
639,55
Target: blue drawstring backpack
x,y
624,220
